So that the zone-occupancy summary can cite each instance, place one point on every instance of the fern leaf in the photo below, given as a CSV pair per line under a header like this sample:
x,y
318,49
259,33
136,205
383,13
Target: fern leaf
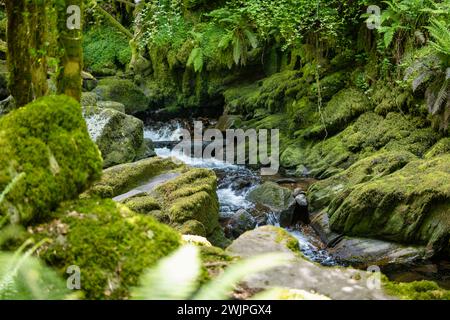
x,y
196,60
220,288
173,278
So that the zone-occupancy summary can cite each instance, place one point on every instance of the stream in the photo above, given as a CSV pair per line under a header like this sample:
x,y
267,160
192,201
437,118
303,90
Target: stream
x,y
234,184
236,181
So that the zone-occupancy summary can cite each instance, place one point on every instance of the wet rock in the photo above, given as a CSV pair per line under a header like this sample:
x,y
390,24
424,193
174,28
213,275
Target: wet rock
x,y
277,199
301,171
240,184
363,252
321,225
120,137
404,207
239,223
149,148
302,200
89,81
333,282
7,105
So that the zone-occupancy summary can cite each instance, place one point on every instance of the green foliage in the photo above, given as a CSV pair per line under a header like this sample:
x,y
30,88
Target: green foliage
x,y
105,48
48,141
123,91
23,277
417,290
177,277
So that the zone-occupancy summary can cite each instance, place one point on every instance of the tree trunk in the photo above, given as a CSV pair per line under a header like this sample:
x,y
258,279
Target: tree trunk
x,y
71,61
26,50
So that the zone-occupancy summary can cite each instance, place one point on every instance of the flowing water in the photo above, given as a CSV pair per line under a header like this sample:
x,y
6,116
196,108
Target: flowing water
x,y
234,184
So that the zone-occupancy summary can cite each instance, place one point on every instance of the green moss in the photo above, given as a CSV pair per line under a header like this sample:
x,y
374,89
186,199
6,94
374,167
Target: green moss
x,y
410,206
143,204
214,261
123,91
105,48
48,141
111,244
369,134
342,109
189,198
417,290
288,240
271,195
373,167
440,148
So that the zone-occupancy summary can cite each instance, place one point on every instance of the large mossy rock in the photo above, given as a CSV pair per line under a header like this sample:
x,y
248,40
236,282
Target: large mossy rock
x,y
110,244
191,204
369,134
47,141
278,199
120,137
321,193
412,205
333,282
182,197
122,178
123,91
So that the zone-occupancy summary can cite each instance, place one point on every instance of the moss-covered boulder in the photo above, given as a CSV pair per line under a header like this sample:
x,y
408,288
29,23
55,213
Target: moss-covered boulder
x,y
190,203
48,142
412,205
123,91
278,199
378,165
122,178
110,244
367,135
120,137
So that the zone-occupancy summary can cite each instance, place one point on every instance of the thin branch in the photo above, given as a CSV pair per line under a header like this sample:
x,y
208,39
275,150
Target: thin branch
x,y
114,22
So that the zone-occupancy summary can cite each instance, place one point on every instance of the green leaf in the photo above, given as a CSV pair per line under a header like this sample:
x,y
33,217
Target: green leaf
x,y
196,59
388,37
220,288
173,278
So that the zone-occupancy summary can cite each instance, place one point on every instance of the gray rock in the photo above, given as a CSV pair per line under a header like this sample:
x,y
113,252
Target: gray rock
x,y
7,105
239,223
334,282
89,81
364,252
111,105
148,149
277,199
120,137
89,99
301,171
298,191
302,200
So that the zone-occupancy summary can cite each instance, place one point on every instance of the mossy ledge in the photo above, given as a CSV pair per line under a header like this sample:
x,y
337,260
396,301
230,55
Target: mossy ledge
x,y
110,244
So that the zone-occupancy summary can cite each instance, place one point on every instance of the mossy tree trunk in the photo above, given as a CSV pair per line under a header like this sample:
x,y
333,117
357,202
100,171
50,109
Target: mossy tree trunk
x,y
71,60
26,32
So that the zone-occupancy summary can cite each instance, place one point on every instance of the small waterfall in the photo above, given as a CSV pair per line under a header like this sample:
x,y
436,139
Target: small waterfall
x,y
234,184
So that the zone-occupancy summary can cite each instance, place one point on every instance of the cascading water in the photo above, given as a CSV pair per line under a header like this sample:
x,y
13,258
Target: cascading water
x,y
234,184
